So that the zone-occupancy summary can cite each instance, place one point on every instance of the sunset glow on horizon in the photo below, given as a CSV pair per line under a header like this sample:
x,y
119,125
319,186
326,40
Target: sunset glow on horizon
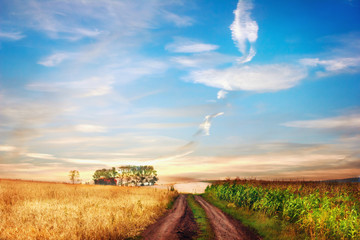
x,y
199,89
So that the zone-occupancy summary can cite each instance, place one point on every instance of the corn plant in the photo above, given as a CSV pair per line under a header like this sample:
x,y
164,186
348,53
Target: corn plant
x,y
323,210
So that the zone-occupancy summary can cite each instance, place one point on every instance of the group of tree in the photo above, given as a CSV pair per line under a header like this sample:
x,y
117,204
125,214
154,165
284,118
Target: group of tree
x,y
129,175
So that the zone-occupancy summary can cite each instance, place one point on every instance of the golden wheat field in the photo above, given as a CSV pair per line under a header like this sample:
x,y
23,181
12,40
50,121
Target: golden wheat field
x,y
34,210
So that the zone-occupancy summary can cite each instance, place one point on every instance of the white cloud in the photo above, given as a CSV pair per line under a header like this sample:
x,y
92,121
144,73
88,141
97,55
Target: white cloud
x,y
21,113
349,121
87,128
46,156
11,35
222,94
163,125
258,78
249,57
90,87
183,45
244,30
206,124
54,59
203,60
41,156
180,21
74,20
7,148
169,158
333,66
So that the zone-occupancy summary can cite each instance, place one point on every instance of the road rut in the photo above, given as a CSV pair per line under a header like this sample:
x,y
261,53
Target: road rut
x,y
225,227
178,224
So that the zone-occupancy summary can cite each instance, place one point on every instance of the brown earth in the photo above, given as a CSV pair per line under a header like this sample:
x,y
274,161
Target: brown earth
x,y
177,224
224,226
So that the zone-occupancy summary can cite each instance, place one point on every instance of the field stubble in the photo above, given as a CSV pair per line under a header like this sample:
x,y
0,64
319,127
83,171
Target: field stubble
x,y
31,210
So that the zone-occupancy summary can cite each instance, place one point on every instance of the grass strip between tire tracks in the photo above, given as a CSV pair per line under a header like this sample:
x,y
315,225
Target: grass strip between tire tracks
x,y
205,230
267,227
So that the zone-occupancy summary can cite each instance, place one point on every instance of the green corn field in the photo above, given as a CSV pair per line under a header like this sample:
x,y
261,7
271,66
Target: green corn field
x,y
322,210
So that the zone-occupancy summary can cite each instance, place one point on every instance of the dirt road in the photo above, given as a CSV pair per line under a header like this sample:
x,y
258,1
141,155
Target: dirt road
x,y
225,227
178,224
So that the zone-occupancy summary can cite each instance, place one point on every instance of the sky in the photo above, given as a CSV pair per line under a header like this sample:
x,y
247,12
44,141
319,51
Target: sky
x,y
198,89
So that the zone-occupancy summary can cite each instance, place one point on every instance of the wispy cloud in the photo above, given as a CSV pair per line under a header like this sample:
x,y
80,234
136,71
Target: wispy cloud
x,y
11,35
188,148
204,127
54,59
180,21
164,125
334,65
91,87
170,157
88,128
203,60
221,94
81,161
20,113
244,30
76,20
290,161
184,45
348,121
258,78
41,156
7,148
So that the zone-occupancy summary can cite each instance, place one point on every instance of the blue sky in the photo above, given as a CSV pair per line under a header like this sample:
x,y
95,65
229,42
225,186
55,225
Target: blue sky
x,y
199,89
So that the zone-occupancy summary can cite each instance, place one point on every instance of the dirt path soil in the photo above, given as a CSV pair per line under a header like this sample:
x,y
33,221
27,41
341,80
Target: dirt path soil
x,y
225,227
178,224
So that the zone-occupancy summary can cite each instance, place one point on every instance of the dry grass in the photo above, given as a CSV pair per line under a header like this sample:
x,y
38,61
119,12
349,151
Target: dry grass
x,y
32,210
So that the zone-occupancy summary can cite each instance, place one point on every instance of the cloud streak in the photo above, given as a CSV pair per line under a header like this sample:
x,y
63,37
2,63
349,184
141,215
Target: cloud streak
x,y
203,60
257,78
183,45
13,36
76,20
334,65
91,87
189,148
221,94
54,59
341,122
179,21
204,127
7,148
244,30
88,128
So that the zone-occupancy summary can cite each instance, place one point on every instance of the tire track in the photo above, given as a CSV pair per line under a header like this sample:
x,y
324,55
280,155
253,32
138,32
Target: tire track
x,y
178,224
225,227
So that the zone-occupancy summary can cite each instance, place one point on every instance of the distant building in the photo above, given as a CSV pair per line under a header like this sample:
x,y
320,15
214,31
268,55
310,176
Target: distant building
x,y
106,181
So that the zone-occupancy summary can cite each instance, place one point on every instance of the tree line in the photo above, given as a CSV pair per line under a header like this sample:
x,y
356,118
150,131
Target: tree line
x,y
129,175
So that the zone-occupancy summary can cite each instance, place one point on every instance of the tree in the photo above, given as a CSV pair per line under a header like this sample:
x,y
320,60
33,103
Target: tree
x,y
105,176
74,176
113,173
124,175
137,175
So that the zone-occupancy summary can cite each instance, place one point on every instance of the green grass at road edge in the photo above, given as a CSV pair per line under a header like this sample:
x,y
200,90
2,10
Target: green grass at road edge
x,y
267,227
205,230
171,202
